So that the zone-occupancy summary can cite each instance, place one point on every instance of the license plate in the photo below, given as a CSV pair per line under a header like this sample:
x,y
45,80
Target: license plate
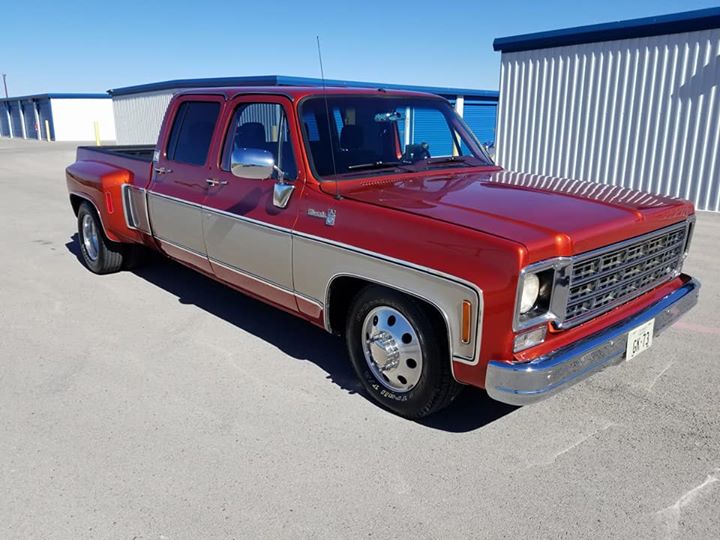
x,y
639,339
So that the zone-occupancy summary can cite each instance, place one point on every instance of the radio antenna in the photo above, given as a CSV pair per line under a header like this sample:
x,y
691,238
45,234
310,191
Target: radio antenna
x,y
327,115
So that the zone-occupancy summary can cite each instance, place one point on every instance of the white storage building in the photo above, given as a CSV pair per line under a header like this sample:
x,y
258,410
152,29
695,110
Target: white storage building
x,y
633,103
69,117
139,110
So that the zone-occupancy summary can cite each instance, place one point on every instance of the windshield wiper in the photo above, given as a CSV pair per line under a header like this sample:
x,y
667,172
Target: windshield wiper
x,y
377,165
449,159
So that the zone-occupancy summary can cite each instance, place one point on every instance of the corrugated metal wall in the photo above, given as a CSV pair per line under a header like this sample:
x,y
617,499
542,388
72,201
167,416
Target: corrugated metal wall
x,y
640,113
138,117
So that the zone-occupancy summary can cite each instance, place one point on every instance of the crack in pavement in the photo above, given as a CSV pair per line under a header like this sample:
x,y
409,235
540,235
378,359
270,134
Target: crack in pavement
x,y
670,516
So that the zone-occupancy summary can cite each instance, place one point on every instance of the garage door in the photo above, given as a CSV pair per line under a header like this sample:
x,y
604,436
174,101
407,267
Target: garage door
x,y
16,119
29,116
4,120
481,119
45,113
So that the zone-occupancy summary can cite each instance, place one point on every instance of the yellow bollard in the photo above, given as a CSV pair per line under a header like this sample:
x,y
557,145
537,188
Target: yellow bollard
x,y
97,133
47,130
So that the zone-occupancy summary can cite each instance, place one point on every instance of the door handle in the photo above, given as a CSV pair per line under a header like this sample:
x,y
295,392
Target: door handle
x,y
212,182
162,170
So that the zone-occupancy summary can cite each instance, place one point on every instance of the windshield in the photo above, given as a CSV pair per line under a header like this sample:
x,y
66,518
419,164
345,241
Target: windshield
x,y
347,136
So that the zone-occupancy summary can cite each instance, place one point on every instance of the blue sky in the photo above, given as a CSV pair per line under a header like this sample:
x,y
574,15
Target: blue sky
x,y
76,46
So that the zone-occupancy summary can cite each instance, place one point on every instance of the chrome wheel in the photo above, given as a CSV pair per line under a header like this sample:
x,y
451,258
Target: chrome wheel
x,y
90,237
392,349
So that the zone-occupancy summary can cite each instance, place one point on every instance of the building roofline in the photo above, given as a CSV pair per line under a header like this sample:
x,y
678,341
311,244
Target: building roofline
x,y
282,80
688,21
56,96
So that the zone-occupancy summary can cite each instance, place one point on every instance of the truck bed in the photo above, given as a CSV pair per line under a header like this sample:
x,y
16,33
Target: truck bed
x,y
136,159
140,152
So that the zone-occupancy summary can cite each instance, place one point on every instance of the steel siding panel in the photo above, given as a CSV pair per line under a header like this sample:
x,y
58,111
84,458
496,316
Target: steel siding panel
x,y
641,113
138,117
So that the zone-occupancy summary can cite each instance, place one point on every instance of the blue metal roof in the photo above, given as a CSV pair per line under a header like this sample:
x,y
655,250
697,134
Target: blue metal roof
x,y
57,96
675,23
282,80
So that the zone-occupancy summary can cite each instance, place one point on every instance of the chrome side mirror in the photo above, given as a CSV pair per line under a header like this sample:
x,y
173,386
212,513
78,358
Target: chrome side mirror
x,y
252,163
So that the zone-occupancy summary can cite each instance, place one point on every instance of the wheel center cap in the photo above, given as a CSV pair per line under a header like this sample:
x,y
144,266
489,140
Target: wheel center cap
x,y
385,351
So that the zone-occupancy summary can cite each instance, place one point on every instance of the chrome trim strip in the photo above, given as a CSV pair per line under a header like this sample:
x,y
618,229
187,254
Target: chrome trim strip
x,y
689,235
455,357
392,260
250,275
558,292
625,243
311,300
183,248
257,222
129,208
525,383
174,199
127,211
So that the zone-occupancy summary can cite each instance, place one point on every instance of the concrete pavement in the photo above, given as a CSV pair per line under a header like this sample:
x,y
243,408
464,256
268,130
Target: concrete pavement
x,y
158,404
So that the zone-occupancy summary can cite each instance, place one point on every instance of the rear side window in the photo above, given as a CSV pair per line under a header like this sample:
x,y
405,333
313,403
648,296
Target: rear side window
x,y
192,131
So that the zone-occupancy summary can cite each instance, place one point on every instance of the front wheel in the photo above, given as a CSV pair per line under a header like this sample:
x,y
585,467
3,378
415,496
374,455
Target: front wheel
x,y
101,255
400,356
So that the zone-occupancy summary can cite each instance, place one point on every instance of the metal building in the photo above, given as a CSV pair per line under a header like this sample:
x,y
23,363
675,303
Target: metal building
x,y
139,110
633,103
68,117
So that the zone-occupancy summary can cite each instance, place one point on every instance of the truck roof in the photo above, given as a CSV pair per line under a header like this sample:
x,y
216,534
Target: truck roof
x,y
298,92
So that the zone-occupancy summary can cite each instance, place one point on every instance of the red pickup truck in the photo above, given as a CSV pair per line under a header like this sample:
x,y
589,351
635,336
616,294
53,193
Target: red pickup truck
x,y
377,215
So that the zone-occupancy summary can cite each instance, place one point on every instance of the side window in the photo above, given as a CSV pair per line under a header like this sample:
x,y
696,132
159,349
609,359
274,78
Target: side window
x,y
192,131
262,126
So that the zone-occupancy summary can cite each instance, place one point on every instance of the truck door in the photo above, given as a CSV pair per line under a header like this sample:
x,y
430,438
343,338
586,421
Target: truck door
x,y
179,183
248,238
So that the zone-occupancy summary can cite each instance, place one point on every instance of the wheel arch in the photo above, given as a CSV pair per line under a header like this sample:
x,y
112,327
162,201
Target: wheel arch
x,y
76,201
343,288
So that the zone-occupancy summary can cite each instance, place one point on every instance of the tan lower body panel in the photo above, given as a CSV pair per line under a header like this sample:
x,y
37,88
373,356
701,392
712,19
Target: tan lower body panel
x,y
316,264
177,222
254,249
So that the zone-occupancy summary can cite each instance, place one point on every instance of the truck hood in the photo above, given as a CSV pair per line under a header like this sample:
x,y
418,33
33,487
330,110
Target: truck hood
x,y
549,216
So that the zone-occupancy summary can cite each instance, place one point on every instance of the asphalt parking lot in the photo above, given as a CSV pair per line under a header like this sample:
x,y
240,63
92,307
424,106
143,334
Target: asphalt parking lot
x,y
157,404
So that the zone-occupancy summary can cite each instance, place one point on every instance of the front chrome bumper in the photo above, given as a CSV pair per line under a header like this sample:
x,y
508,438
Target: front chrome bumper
x,y
525,383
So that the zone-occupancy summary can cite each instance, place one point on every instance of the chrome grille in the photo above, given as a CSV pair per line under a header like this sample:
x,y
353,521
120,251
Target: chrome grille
x,y
602,279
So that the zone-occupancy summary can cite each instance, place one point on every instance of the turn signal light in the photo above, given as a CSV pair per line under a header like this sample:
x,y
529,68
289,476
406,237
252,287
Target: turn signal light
x,y
529,339
466,321
109,203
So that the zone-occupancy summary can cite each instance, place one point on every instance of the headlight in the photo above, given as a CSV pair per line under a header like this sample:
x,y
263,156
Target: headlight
x,y
530,292
542,290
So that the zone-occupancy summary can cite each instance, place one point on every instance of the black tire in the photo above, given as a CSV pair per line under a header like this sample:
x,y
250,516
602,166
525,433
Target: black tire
x,y
436,387
109,257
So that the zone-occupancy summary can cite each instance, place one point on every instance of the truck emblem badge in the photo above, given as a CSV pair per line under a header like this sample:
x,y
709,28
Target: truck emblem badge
x,y
328,216
330,219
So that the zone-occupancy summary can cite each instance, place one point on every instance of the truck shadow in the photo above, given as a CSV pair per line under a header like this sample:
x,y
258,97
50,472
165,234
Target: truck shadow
x,y
298,339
